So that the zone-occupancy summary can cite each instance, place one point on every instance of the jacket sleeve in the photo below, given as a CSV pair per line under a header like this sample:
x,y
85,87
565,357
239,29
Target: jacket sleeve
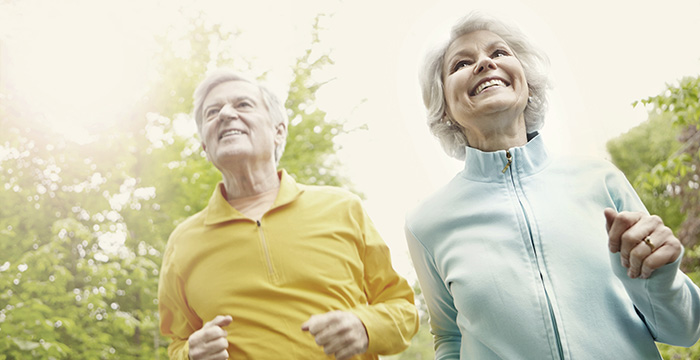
x,y
390,315
668,301
443,314
177,320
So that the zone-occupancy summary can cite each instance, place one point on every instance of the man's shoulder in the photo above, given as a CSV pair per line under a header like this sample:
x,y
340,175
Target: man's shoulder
x,y
190,223
335,193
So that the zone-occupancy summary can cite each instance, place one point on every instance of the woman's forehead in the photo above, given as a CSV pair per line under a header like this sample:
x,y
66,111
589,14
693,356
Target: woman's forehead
x,y
474,40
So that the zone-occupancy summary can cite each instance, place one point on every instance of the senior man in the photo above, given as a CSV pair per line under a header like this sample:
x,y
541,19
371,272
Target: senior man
x,y
272,269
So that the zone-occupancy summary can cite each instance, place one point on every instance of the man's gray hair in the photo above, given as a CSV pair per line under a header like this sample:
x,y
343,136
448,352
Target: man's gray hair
x,y
534,62
278,113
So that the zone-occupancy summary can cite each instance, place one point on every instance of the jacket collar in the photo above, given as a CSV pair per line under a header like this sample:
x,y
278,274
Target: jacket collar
x,y
219,210
526,160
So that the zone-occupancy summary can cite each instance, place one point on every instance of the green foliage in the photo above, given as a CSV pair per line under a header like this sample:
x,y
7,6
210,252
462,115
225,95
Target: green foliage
x,y
631,152
182,60
73,283
637,153
83,227
310,141
682,101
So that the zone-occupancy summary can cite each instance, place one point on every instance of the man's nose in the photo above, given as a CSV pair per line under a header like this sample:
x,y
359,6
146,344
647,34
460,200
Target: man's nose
x,y
227,112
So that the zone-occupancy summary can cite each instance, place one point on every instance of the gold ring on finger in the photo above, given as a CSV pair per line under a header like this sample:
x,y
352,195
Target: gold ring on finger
x,y
651,245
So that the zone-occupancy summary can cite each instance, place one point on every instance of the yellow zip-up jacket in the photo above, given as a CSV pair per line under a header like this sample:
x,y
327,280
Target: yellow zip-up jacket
x,y
314,251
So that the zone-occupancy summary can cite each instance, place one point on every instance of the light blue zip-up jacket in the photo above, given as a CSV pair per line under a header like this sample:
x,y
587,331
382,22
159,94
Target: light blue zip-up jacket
x,y
513,261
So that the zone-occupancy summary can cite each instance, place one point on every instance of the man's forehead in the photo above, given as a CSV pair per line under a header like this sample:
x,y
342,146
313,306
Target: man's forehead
x,y
232,91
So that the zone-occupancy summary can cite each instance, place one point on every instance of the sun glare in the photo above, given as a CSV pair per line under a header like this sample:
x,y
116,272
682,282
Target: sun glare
x,y
78,66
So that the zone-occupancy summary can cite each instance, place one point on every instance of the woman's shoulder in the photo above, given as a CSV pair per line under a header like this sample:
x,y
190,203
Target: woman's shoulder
x,y
583,163
433,207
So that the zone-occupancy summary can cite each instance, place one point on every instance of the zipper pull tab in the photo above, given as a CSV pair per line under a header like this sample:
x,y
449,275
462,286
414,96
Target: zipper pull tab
x,y
510,161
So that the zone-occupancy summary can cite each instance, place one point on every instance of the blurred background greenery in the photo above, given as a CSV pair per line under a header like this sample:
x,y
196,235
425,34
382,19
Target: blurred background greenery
x,y
83,222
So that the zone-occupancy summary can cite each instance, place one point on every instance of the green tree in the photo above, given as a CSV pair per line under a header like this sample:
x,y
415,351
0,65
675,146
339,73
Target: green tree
x,y
83,227
637,152
682,168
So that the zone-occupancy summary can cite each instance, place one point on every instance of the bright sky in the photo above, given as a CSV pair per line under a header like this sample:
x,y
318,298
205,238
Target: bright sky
x,y
83,62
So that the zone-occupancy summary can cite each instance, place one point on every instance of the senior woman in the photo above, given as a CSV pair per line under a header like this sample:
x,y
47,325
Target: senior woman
x,y
524,256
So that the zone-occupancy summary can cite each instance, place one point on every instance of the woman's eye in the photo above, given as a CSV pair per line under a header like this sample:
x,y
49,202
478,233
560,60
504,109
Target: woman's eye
x,y
499,53
461,64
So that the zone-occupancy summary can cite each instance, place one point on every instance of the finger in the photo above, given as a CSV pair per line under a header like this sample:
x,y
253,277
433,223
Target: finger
x,y
668,249
644,227
331,341
201,337
346,334
610,215
217,345
215,328
633,235
618,226
318,322
221,355
346,353
219,320
213,350
311,325
211,331
637,256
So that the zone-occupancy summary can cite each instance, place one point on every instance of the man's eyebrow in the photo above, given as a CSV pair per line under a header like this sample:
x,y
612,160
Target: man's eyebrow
x,y
241,97
232,99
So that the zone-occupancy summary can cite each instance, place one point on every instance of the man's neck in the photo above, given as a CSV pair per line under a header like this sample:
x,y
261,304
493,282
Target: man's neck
x,y
249,182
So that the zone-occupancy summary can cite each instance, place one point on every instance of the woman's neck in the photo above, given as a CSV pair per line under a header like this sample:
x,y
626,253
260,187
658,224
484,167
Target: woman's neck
x,y
493,138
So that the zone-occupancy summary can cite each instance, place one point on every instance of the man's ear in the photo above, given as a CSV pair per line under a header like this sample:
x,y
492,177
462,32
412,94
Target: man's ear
x,y
204,147
280,133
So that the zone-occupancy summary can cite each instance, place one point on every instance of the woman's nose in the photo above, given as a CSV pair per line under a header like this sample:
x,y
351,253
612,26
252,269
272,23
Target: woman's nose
x,y
484,64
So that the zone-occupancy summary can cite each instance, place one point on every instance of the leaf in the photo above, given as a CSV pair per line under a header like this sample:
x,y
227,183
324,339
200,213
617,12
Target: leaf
x,y
25,345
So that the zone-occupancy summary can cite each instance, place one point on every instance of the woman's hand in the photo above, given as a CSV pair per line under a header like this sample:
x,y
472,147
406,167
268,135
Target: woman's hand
x,y
644,242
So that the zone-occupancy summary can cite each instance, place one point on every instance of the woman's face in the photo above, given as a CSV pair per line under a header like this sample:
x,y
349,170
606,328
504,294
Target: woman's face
x,y
485,84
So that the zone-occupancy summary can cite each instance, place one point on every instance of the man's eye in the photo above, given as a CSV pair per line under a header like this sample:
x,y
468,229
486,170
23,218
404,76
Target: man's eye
x,y
244,104
211,112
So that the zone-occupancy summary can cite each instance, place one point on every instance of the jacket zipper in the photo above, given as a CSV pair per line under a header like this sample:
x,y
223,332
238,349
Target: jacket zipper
x,y
509,158
266,251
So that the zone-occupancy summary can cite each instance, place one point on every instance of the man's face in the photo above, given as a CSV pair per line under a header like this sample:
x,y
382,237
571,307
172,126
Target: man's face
x,y
237,128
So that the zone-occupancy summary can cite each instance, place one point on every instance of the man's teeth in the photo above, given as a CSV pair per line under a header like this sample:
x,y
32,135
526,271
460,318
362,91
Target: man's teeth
x,y
483,86
231,132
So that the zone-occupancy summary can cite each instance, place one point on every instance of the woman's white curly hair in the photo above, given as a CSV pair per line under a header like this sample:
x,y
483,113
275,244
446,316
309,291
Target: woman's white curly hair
x,y
534,62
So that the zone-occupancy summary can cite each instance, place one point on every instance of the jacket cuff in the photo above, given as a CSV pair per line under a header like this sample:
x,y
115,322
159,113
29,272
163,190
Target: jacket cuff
x,y
385,336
